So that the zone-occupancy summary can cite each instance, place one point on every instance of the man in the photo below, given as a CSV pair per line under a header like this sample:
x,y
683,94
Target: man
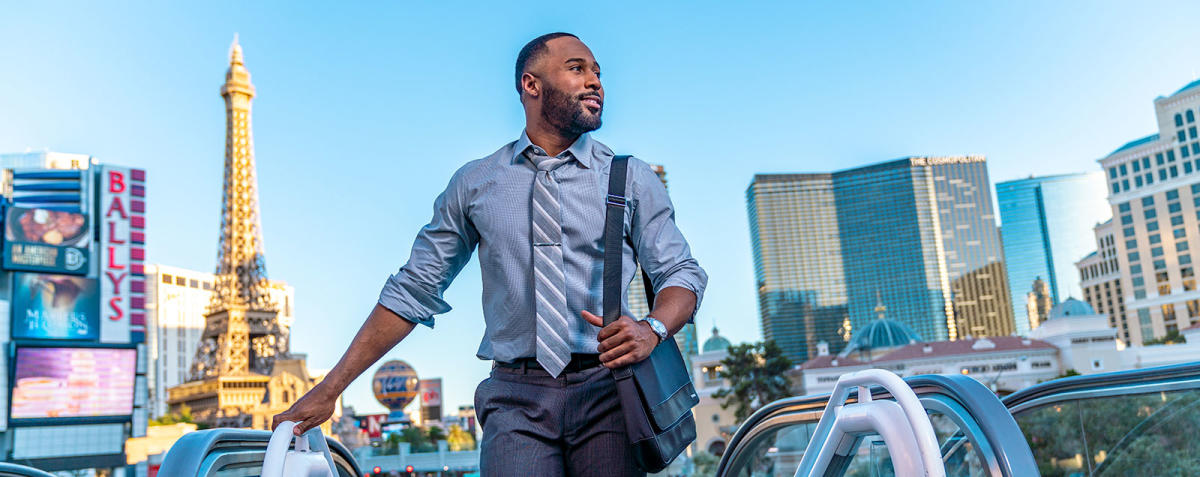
x,y
535,208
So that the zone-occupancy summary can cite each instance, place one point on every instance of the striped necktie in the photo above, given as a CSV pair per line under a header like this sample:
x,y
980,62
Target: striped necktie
x,y
553,319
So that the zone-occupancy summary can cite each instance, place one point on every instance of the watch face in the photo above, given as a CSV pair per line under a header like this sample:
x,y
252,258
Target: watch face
x,y
658,328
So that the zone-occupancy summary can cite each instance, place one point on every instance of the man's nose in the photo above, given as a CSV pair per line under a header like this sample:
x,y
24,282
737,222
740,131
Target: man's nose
x,y
593,82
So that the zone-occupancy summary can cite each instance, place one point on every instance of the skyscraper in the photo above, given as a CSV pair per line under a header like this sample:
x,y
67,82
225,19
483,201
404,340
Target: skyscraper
x,y
1038,303
916,230
1046,229
797,262
1154,192
1100,278
917,235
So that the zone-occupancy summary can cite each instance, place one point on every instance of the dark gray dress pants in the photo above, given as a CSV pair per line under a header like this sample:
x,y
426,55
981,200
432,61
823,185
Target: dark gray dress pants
x,y
538,425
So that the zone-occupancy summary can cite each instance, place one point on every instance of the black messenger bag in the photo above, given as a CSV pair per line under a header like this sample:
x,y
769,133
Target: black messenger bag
x,y
656,394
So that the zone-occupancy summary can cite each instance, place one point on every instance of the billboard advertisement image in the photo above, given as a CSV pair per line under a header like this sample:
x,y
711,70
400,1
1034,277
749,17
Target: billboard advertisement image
x,y
44,240
431,392
57,307
73,382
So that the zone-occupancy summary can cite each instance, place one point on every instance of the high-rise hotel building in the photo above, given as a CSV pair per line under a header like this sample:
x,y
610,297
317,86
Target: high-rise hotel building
x,y
1047,228
1100,279
798,262
1154,191
917,235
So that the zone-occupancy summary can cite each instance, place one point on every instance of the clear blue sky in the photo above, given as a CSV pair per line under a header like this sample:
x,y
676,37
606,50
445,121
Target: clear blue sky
x,y
364,111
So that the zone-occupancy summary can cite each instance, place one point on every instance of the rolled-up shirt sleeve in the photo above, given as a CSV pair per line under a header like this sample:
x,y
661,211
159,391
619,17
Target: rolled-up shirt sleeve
x,y
661,248
441,250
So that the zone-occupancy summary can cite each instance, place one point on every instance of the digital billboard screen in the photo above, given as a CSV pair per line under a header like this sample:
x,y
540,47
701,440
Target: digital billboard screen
x,y
62,307
45,240
73,382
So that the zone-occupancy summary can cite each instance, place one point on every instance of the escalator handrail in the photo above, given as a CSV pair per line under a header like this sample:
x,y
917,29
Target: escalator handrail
x,y
1116,378
187,455
9,468
1003,432
815,402
913,434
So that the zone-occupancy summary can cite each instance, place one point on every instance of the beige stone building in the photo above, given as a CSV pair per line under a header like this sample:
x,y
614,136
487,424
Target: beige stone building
x,y
1154,192
714,425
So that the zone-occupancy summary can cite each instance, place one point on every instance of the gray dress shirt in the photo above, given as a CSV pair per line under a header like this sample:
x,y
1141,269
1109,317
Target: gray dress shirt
x,y
487,204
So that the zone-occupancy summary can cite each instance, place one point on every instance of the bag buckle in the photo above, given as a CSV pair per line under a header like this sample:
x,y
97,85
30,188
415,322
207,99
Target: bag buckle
x,y
616,200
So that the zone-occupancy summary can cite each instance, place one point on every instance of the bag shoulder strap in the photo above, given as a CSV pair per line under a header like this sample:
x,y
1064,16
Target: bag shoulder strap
x,y
614,234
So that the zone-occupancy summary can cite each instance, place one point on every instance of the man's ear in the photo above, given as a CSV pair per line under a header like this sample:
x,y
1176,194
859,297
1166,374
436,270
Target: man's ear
x,y
530,85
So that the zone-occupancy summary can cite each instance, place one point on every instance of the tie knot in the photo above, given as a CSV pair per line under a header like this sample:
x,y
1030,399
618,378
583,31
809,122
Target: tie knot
x,y
542,161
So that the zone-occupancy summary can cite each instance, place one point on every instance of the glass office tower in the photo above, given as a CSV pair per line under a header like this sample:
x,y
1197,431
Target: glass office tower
x,y
971,240
798,262
1047,228
890,247
916,235
919,236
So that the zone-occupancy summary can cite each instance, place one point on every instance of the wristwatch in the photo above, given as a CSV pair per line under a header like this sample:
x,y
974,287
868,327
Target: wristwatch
x,y
657,327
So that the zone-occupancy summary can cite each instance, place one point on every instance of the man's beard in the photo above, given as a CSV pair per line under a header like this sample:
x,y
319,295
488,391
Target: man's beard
x,y
567,113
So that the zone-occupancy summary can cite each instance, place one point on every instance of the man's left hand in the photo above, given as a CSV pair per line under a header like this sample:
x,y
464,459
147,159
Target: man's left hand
x,y
623,342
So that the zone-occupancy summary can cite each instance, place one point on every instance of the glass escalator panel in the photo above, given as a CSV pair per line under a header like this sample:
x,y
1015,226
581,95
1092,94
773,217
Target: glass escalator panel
x,y
772,443
1143,434
776,451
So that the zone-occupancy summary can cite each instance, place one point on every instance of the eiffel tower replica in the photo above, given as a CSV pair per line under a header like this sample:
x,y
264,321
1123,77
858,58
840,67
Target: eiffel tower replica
x,y
242,373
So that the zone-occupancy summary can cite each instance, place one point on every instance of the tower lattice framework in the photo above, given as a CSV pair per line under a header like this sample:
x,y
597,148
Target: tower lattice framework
x,y
242,332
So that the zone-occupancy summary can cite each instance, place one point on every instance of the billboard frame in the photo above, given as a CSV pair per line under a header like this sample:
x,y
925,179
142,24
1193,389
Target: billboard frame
x,y
64,421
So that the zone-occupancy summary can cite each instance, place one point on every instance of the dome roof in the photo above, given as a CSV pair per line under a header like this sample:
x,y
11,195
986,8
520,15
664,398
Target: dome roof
x,y
1071,307
715,343
881,333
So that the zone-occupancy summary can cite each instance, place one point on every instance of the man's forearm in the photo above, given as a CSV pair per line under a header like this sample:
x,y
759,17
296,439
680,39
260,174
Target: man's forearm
x,y
673,306
378,335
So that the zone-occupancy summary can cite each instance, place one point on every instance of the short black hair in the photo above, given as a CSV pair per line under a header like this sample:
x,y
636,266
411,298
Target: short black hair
x,y
532,50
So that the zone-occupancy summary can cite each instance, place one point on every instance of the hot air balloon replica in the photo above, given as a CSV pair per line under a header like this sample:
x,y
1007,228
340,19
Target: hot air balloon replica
x,y
396,385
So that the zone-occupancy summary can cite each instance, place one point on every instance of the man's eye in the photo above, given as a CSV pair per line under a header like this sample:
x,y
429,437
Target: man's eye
x,y
597,74
576,68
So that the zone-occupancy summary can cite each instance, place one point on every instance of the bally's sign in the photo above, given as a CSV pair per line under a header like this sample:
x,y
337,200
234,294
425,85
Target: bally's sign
x,y
121,213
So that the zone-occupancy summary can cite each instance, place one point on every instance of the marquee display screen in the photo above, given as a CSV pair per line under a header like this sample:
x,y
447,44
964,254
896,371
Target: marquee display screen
x,y
73,382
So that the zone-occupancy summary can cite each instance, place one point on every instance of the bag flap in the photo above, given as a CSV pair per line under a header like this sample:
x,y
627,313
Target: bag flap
x,y
665,384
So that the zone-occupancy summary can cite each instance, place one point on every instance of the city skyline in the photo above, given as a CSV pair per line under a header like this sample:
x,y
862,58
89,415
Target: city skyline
x,y
916,237
148,100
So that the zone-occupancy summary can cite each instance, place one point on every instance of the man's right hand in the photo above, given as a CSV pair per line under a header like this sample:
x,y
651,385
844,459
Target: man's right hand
x,y
382,330
310,411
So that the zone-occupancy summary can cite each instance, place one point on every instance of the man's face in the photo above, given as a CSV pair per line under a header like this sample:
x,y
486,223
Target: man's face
x,y
572,97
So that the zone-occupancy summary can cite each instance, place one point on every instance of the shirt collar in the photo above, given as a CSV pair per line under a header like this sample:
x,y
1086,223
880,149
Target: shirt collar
x,y
581,149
